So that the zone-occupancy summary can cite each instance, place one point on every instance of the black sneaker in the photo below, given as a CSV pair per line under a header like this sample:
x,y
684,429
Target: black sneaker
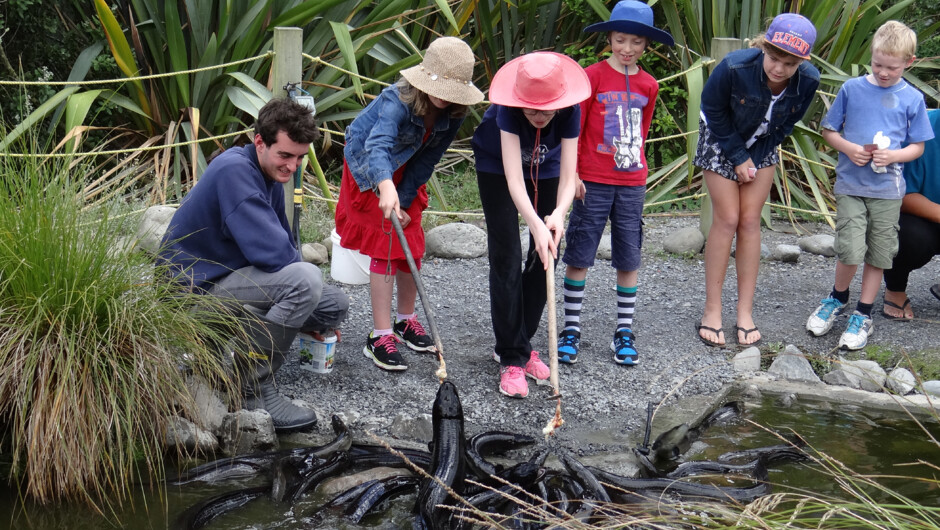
x,y
412,333
384,353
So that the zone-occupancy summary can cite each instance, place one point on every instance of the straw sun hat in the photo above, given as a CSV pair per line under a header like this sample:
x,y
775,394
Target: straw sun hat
x,y
540,81
446,72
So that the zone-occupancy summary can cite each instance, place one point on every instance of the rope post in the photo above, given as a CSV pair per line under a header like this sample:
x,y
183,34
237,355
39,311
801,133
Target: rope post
x,y
288,50
721,46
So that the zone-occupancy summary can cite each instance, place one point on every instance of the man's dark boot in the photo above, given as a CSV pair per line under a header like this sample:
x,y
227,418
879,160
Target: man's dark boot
x,y
264,355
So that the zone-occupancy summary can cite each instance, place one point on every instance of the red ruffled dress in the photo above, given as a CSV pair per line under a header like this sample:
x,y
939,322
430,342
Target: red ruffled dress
x,y
361,225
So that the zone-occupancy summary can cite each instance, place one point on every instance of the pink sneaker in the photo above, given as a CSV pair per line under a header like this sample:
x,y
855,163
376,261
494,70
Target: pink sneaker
x,y
537,370
512,382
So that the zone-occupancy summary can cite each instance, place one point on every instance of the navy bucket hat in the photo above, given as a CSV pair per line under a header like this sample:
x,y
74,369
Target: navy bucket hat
x,y
636,18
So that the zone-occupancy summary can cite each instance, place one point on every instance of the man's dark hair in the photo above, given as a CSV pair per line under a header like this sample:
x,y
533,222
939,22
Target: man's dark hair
x,y
286,115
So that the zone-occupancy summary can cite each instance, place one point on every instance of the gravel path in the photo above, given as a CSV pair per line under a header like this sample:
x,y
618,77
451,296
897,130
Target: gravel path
x,y
604,404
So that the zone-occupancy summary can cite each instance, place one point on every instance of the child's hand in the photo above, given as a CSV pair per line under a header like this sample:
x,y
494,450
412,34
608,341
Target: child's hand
x,y
555,223
860,154
884,157
543,242
579,190
746,171
388,199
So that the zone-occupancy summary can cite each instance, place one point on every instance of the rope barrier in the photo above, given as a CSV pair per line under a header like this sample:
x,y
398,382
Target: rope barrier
x,y
160,147
137,78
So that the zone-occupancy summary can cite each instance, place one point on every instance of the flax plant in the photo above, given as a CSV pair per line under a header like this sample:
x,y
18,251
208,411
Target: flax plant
x,y
93,344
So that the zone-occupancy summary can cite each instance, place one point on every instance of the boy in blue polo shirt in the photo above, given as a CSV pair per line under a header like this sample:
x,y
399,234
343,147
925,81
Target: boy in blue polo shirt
x,y
869,121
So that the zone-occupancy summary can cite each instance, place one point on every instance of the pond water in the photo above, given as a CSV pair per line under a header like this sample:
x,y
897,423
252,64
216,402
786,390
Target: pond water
x,y
865,441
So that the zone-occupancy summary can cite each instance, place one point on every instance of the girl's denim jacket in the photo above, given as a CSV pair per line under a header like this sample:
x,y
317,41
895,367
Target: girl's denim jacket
x,y
387,135
735,100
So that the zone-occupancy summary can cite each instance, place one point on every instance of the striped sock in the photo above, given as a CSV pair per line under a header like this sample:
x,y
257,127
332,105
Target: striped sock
x,y
574,298
626,303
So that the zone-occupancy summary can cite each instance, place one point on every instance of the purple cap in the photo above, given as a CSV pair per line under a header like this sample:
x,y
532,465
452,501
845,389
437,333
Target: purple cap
x,y
792,33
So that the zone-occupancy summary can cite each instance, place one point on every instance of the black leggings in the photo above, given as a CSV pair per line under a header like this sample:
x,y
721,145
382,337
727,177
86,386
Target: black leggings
x,y
517,293
918,243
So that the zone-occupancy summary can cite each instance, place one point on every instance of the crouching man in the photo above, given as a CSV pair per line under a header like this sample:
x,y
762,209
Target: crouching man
x,y
230,238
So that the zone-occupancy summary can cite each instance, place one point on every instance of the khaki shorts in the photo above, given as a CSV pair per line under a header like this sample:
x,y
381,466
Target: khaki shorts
x,y
867,230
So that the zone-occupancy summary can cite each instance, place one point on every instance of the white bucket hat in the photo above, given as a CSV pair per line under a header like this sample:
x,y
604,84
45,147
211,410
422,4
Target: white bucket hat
x,y
446,72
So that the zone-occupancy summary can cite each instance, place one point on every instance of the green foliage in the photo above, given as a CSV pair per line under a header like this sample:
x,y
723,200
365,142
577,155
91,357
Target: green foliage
x,y
91,343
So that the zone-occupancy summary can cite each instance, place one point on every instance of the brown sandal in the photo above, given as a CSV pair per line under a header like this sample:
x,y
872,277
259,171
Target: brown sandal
x,y
718,333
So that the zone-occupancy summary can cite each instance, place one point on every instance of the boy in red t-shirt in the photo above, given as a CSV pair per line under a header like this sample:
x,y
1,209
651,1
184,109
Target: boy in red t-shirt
x,y
612,167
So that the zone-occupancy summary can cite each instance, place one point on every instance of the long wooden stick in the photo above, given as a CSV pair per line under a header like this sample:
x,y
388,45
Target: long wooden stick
x,y
425,303
556,420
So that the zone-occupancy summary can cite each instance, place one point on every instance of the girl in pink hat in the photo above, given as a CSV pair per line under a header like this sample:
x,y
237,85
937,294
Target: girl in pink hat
x,y
526,161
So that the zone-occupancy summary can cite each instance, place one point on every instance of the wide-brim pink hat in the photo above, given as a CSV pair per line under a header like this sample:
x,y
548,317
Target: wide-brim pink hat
x,y
541,81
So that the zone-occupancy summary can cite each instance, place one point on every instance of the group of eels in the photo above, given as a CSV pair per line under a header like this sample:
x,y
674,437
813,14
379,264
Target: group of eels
x,y
456,487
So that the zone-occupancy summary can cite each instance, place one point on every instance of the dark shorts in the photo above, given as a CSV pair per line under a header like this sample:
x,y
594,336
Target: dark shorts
x,y
709,156
623,205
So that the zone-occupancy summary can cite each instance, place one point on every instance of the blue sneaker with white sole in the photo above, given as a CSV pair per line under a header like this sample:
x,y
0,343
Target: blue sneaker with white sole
x,y
623,348
569,345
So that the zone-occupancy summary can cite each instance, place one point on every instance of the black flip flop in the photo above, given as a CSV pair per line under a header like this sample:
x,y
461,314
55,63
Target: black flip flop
x,y
746,333
718,332
935,290
901,308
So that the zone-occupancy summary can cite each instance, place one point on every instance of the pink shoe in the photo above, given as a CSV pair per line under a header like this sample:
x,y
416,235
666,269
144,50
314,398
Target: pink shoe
x,y
512,382
537,370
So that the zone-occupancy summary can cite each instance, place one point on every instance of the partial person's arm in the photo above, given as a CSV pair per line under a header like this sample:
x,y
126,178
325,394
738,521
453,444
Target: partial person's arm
x,y
515,181
921,206
568,183
856,153
883,157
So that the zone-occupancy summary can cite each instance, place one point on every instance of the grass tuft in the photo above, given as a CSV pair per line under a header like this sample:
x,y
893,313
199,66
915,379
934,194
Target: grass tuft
x,y
91,344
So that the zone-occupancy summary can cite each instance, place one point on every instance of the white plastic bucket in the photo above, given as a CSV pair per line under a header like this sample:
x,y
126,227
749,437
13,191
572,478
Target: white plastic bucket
x,y
348,266
315,355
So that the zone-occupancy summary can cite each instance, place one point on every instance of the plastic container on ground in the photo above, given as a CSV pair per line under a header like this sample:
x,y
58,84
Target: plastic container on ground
x,y
348,266
316,355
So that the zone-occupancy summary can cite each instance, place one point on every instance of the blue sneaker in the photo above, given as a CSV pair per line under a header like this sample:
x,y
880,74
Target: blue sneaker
x,y
569,344
820,322
622,346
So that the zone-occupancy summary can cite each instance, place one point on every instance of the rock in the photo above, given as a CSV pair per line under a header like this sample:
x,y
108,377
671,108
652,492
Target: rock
x,y
603,247
787,401
840,377
791,364
210,410
901,381
247,431
455,240
820,244
871,377
153,225
752,391
183,433
688,239
787,253
409,427
315,253
747,360
328,244
932,388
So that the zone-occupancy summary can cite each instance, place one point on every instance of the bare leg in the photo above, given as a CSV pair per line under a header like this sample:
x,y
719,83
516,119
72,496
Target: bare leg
x,y
725,209
844,275
407,292
747,251
381,294
577,274
871,282
627,278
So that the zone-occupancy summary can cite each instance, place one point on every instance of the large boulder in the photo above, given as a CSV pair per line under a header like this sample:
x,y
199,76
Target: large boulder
x,y
247,431
153,225
455,240
819,244
871,376
688,239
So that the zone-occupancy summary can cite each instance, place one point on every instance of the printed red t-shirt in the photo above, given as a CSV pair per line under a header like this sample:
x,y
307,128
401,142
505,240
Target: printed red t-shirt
x,y
614,126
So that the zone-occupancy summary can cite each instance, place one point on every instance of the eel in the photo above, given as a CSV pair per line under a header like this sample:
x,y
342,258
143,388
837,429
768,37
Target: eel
x,y
498,442
447,460
378,493
247,465
333,465
368,455
199,515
